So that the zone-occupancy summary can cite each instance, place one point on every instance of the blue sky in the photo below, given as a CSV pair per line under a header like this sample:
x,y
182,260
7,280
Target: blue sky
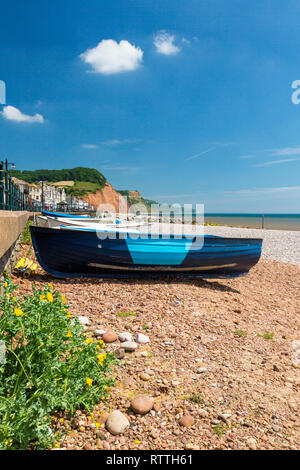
x,y
186,101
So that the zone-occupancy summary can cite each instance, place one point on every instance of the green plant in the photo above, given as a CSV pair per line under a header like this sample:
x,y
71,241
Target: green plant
x,y
50,365
26,236
145,327
126,314
196,398
266,335
220,429
240,333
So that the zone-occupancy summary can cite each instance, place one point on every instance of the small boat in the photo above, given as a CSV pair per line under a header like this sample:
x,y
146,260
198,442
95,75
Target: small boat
x,y
85,252
63,214
46,221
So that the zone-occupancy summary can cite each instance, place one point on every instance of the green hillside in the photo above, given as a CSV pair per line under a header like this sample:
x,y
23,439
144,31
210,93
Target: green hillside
x,y
78,174
134,197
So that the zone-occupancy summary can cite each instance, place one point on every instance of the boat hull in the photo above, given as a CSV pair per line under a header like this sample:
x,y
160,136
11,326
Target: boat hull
x,y
77,253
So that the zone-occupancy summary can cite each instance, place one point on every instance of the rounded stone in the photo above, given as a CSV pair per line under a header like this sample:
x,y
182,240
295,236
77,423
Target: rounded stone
x,y
109,337
252,443
129,346
142,339
142,404
99,332
144,376
186,421
125,337
117,423
120,353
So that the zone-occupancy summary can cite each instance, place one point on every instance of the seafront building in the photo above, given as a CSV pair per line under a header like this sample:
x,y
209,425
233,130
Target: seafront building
x,y
49,196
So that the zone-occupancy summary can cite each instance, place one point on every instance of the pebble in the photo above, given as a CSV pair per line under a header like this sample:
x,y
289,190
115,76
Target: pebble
x,y
120,353
175,383
252,443
142,404
125,337
83,320
191,447
109,337
201,370
99,332
103,418
129,345
154,434
203,413
117,423
145,376
142,339
186,421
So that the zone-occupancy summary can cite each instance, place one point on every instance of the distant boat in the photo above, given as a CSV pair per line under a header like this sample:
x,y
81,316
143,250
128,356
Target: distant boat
x,y
80,252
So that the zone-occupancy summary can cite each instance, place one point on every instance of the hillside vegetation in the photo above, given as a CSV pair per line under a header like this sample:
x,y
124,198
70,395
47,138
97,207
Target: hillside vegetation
x,y
78,174
134,197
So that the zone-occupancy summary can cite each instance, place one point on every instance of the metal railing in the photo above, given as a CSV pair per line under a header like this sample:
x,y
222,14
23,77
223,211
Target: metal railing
x,y
11,198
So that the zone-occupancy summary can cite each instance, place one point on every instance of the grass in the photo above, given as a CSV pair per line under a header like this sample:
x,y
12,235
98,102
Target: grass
x,y
266,335
26,236
126,314
240,333
220,429
196,398
145,327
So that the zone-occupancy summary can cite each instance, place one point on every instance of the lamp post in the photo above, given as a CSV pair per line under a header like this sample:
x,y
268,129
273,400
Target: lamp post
x,y
13,166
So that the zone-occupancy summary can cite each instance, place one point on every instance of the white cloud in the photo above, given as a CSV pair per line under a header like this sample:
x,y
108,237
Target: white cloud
x,y
264,191
89,146
164,43
110,57
285,151
13,114
199,154
115,142
275,162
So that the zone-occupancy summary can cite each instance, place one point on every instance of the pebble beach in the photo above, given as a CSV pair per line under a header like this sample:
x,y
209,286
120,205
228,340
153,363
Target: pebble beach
x,y
202,364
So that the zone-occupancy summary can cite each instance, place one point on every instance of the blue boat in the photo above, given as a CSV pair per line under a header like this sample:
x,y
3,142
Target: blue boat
x,y
64,215
72,252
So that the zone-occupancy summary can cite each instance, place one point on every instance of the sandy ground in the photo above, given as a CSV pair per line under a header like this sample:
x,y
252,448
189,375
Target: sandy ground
x,y
222,351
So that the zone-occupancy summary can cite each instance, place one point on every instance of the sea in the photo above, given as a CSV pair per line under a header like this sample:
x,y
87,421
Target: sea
x,y
267,221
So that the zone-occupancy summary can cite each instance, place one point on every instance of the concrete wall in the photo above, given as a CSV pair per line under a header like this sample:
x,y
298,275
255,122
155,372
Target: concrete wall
x,y
11,226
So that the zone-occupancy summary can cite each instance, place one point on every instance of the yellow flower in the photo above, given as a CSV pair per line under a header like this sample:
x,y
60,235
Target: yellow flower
x,y
51,286
101,342
7,296
42,297
14,299
41,344
61,420
5,284
101,358
89,340
69,315
137,442
18,312
49,297
89,381
69,334
63,299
